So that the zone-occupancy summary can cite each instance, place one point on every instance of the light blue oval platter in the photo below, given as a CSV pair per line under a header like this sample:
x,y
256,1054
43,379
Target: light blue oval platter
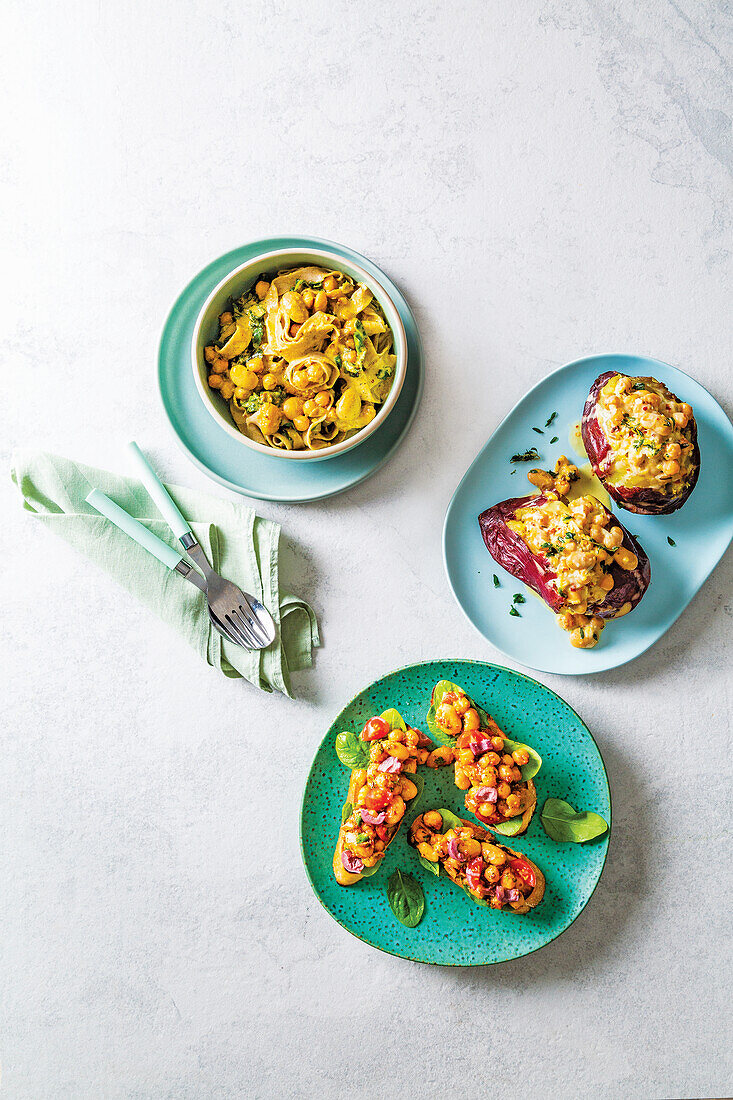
x,y
454,930
699,532
220,456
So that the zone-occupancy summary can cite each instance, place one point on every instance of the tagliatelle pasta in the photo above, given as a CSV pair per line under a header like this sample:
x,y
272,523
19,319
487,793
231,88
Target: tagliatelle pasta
x,y
305,359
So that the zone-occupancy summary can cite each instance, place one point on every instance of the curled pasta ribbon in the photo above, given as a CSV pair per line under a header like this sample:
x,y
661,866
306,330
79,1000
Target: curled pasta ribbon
x,y
309,374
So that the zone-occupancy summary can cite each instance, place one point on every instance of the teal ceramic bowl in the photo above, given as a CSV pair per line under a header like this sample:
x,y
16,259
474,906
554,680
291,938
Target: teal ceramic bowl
x,y
455,931
683,548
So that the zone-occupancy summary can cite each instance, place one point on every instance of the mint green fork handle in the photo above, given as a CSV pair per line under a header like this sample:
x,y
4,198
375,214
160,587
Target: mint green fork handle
x,y
134,529
159,494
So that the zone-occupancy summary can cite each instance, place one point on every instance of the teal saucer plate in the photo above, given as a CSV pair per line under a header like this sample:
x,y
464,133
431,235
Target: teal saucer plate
x,y
454,930
683,548
219,455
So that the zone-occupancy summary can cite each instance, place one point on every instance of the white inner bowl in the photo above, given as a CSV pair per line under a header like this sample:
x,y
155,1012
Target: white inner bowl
x,y
241,279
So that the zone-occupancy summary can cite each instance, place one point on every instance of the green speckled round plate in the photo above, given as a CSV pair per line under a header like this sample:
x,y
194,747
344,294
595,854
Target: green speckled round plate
x,y
455,931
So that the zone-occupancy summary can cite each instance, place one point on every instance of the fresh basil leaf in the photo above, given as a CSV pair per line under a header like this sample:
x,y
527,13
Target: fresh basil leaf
x,y
406,898
346,812
394,719
434,868
351,750
508,828
567,825
450,821
533,765
442,688
369,871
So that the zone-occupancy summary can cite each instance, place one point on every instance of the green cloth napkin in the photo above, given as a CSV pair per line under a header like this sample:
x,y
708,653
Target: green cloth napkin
x,y
238,543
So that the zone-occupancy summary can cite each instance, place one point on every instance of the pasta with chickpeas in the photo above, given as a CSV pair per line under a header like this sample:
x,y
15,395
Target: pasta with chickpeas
x,y
304,360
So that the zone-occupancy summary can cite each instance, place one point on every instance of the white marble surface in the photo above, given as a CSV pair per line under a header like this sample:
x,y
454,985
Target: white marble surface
x,y
543,180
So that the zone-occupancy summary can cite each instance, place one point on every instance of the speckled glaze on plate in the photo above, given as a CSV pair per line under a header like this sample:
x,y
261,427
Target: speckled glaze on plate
x,y
213,450
455,931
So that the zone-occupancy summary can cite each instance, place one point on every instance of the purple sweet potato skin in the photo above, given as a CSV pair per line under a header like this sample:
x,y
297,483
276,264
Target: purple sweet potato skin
x,y
512,553
645,502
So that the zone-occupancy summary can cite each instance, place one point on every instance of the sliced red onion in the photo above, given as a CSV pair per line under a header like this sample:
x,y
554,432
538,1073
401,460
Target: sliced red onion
x,y
370,818
480,746
454,852
500,893
512,895
487,794
390,764
352,863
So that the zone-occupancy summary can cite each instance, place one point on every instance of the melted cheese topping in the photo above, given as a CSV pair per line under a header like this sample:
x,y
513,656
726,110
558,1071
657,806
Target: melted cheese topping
x,y
580,548
650,434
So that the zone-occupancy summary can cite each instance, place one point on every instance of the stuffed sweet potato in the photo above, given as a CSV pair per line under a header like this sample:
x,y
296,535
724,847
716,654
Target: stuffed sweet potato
x,y
574,554
490,873
641,441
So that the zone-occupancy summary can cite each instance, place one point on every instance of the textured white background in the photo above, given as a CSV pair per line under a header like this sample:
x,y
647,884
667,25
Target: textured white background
x,y
543,180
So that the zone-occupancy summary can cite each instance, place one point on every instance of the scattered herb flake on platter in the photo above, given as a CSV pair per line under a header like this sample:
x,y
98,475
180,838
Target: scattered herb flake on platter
x,y
525,456
518,598
550,419
671,541
554,439
513,611
497,582
538,430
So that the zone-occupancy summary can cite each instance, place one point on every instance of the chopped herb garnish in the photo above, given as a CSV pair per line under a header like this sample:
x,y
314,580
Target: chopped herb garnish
x,y
497,582
550,420
582,632
526,456
538,430
554,439
518,598
338,361
671,541
513,611
258,330
639,386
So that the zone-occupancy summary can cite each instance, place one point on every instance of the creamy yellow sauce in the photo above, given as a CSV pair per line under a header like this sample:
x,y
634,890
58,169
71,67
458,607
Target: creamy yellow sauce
x,y
588,485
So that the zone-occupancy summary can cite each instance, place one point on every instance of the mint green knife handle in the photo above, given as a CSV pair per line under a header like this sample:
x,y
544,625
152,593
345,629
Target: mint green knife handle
x,y
159,493
133,528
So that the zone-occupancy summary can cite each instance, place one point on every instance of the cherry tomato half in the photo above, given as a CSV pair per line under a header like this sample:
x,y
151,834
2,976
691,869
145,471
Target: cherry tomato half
x,y
375,729
474,871
383,832
378,800
524,871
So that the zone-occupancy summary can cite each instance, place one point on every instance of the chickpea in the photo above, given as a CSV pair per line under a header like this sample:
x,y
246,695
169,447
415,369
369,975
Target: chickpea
x,y
447,719
507,758
465,756
433,820
269,381
329,284
308,298
508,880
349,328
626,559
227,389
395,811
219,365
320,302
261,289
492,758
485,809
506,773
225,318
612,539
243,376
516,775
503,790
440,756
292,407
301,423
686,409
210,353
606,582
310,408
241,393
680,419
502,808
378,845
215,381
471,847
520,756
463,781
349,355
470,721
669,469
407,788
400,752
673,450
313,373
489,776
492,874
300,379
256,363
427,852
514,802
497,743
323,398
494,855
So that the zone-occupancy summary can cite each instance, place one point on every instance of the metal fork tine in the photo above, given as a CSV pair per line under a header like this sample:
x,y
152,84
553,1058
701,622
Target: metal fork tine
x,y
255,625
247,639
225,629
244,626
